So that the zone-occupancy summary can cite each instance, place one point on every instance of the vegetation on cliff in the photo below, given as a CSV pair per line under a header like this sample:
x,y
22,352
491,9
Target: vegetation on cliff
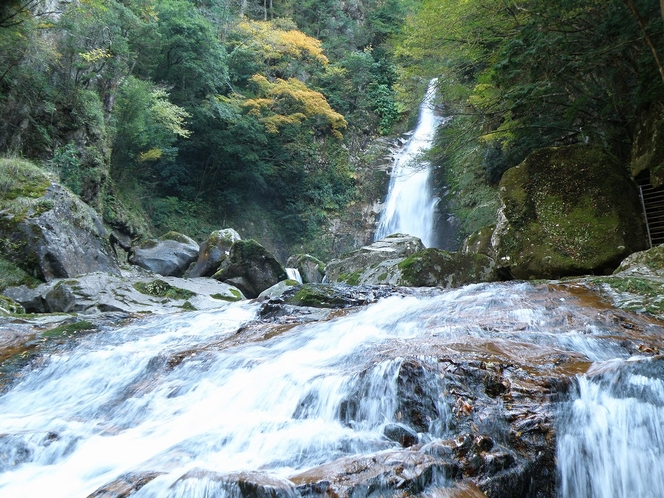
x,y
188,115
520,76
175,114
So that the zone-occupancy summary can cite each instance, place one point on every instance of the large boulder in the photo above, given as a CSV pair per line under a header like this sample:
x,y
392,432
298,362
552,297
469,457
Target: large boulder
x,y
648,145
250,268
403,260
170,255
430,268
389,251
567,211
47,230
312,269
213,251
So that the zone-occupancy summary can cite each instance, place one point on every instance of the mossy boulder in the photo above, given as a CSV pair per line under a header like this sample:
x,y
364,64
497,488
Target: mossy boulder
x,y
251,268
648,145
567,211
213,251
170,255
312,269
45,229
388,251
438,268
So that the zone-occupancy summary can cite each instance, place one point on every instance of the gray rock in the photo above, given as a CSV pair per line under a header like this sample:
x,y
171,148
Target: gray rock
x,y
213,251
391,249
278,289
567,211
133,292
170,255
53,234
312,270
648,263
250,267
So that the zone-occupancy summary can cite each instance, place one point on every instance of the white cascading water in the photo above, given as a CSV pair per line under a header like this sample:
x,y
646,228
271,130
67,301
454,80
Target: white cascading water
x,y
410,204
174,394
294,274
611,436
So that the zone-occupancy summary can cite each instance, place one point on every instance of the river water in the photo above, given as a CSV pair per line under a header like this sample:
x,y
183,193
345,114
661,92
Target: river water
x,y
410,206
179,395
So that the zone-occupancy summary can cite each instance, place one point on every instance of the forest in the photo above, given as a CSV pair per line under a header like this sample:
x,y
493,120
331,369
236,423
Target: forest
x,y
192,115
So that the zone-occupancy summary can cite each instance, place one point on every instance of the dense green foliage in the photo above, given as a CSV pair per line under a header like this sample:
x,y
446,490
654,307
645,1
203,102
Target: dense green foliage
x,y
521,75
189,115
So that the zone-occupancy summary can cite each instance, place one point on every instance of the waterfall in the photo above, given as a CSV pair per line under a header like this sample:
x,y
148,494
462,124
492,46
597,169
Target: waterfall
x,y
294,274
410,204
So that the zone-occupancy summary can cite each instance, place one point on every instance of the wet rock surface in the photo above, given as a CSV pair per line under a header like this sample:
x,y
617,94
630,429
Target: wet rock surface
x,y
402,260
472,403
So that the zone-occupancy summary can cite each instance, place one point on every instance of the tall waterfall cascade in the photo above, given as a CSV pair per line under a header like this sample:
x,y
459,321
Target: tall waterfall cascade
x,y
410,204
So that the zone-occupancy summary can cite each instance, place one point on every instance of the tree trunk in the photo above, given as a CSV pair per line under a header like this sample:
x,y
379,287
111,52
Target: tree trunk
x,y
642,24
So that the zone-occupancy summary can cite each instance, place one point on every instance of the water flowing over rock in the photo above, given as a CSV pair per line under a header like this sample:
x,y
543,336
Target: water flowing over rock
x,y
567,211
53,234
213,251
170,255
431,393
312,269
410,205
250,268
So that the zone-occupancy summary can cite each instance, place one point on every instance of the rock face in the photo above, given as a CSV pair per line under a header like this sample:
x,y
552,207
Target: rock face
x,y
567,211
213,251
170,255
391,249
48,231
648,263
135,291
402,260
648,145
250,268
312,270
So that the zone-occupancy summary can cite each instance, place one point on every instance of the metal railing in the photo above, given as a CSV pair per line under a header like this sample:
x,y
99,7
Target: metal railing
x,y
652,201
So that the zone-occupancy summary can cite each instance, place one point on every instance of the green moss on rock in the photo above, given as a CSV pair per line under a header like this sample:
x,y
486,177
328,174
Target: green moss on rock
x,y
567,211
9,306
236,295
435,267
159,288
69,329
11,276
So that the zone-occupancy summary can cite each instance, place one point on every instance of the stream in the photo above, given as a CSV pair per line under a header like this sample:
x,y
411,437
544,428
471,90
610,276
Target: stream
x,y
204,404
